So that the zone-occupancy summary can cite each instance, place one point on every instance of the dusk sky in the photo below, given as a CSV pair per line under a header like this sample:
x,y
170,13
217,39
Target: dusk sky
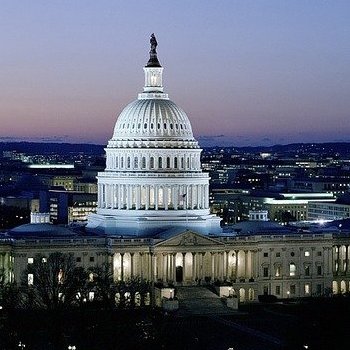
x,y
246,72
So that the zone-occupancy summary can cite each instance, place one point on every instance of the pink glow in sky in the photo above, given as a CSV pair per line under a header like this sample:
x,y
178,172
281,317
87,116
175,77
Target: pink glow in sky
x,y
246,72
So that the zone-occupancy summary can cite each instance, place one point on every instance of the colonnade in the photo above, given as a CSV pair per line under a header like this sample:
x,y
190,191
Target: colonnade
x,y
341,258
132,196
117,161
191,267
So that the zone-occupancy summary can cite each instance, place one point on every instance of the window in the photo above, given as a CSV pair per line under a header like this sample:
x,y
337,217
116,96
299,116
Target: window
x,y
92,259
143,165
292,289
266,255
266,272
292,254
319,253
160,162
152,163
30,260
128,164
175,162
78,259
30,279
319,289
278,271
307,270
306,253
278,290
168,162
307,288
292,269
91,296
278,255
44,260
319,270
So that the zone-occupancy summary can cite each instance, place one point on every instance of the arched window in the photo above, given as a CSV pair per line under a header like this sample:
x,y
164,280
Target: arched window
x,y
175,162
122,162
116,162
160,162
168,162
152,163
143,165
136,162
182,162
128,163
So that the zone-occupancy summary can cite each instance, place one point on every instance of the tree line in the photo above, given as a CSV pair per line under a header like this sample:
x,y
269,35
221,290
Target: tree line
x,y
56,282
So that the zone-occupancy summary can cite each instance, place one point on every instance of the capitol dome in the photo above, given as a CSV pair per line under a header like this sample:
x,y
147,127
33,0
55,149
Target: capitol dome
x,y
152,118
153,178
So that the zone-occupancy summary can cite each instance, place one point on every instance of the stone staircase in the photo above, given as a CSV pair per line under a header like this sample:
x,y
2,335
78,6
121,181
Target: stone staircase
x,y
200,301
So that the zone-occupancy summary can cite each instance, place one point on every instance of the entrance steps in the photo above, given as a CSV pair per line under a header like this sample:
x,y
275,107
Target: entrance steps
x,y
198,300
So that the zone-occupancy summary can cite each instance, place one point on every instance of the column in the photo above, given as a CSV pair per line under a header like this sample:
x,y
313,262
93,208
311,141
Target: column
x,y
183,267
236,257
138,197
253,264
132,265
141,265
226,264
246,271
166,196
122,266
173,267
194,267
212,265
156,195
147,197
346,259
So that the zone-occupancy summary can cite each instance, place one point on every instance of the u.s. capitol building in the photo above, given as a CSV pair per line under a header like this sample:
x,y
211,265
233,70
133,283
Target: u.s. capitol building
x,y
153,218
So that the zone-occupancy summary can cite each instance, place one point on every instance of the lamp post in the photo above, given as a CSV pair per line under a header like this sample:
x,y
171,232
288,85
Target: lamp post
x,y
72,347
21,345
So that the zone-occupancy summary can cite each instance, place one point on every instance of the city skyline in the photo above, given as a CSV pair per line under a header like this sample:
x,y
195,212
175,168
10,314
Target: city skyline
x,y
266,73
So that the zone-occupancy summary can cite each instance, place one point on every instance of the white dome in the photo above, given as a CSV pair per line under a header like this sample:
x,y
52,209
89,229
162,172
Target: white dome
x,y
152,118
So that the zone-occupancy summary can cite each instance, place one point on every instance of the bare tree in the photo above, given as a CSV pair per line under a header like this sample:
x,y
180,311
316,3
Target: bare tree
x,y
54,281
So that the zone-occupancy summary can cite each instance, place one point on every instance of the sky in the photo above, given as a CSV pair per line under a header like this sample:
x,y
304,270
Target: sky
x,y
246,72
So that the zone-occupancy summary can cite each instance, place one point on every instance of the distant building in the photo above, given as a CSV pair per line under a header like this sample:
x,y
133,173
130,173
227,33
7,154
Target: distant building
x,y
66,207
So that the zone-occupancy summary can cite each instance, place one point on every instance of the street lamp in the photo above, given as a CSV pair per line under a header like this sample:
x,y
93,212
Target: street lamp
x,y
21,345
72,347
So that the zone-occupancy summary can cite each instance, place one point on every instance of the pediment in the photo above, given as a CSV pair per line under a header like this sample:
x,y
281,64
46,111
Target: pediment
x,y
189,238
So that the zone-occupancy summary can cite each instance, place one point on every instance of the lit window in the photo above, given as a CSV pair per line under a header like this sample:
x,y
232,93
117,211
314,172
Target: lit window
x,y
30,260
292,269
307,288
30,279
44,260
91,296
278,271
307,253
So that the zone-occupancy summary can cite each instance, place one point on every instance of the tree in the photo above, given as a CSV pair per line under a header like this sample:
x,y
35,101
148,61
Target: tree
x,y
53,282
9,293
102,283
